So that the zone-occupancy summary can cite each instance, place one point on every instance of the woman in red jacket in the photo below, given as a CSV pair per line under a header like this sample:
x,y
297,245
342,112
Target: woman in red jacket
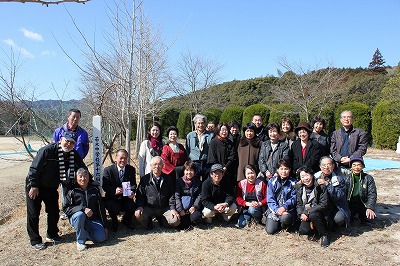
x,y
173,154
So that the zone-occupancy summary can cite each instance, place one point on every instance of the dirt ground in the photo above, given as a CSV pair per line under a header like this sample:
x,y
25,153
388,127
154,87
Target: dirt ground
x,y
215,244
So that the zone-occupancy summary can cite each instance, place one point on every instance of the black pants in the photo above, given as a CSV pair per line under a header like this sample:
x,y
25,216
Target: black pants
x,y
188,219
115,206
358,208
319,223
50,198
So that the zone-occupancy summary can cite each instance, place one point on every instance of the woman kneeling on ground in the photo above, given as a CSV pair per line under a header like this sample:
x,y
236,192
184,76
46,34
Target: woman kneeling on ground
x,y
251,196
312,201
85,210
187,196
281,199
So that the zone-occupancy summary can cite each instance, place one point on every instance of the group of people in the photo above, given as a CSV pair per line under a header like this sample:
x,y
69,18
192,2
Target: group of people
x,y
278,175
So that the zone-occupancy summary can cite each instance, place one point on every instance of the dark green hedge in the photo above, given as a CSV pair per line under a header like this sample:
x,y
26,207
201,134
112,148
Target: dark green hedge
x,y
232,113
386,124
213,114
282,110
184,123
251,110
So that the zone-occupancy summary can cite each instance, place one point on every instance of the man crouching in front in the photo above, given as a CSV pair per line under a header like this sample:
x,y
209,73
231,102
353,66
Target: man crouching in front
x,y
155,197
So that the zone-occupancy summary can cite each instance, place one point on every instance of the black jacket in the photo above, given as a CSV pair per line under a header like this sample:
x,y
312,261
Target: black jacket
x,y
368,192
312,156
319,201
111,180
212,194
224,153
148,195
194,191
45,170
78,199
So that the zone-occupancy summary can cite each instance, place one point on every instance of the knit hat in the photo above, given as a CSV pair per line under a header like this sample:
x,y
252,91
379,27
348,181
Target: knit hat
x,y
356,159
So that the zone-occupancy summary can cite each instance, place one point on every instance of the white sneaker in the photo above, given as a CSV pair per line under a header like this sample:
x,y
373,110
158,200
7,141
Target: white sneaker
x,y
80,247
63,216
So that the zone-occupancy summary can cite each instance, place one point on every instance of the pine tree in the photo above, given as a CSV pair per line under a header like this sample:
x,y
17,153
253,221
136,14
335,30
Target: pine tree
x,y
378,63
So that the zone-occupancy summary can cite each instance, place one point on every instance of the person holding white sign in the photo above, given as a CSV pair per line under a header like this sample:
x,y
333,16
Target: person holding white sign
x,y
119,184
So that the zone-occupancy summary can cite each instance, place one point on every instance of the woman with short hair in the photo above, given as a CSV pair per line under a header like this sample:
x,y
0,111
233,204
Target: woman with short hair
x,y
318,134
281,199
187,196
248,149
173,153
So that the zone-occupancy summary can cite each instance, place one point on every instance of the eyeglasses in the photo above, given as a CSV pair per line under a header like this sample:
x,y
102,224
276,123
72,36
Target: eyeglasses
x,y
325,165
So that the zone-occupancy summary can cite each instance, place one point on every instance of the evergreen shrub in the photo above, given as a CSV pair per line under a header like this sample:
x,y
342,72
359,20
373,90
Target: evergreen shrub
x,y
232,113
251,110
386,124
283,110
213,114
184,123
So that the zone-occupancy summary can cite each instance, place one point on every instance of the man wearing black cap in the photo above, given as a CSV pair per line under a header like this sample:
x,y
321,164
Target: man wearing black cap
x,y
361,191
54,163
217,195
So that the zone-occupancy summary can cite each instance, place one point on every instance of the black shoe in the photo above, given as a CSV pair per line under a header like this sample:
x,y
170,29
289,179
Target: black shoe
x,y
324,241
160,221
129,225
149,225
39,246
114,226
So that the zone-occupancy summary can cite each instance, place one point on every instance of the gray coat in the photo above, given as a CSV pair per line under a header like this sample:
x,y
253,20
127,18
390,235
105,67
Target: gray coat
x,y
269,158
357,146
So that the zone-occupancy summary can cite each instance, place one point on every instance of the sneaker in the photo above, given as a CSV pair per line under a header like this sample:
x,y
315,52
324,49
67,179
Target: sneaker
x,y
63,216
80,247
54,240
39,246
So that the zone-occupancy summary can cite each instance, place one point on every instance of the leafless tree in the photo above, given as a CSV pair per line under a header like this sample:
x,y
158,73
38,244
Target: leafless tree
x,y
195,74
16,106
310,90
123,82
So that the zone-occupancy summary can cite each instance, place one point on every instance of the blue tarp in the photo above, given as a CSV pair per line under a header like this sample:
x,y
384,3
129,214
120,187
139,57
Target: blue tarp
x,y
377,164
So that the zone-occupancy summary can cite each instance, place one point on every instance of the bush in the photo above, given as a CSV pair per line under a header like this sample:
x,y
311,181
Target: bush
x,y
386,124
232,113
361,116
282,110
329,115
251,110
184,123
213,114
168,117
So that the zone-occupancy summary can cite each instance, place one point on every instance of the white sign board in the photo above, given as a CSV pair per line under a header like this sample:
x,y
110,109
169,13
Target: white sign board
x,y
97,150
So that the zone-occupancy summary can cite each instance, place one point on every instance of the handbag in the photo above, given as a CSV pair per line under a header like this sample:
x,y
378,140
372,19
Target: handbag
x,y
186,202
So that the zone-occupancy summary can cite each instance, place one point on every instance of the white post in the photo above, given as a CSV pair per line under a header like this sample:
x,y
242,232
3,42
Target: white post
x,y
97,150
398,146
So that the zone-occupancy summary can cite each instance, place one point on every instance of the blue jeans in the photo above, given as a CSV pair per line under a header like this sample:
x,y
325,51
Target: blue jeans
x,y
246,214
87,229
